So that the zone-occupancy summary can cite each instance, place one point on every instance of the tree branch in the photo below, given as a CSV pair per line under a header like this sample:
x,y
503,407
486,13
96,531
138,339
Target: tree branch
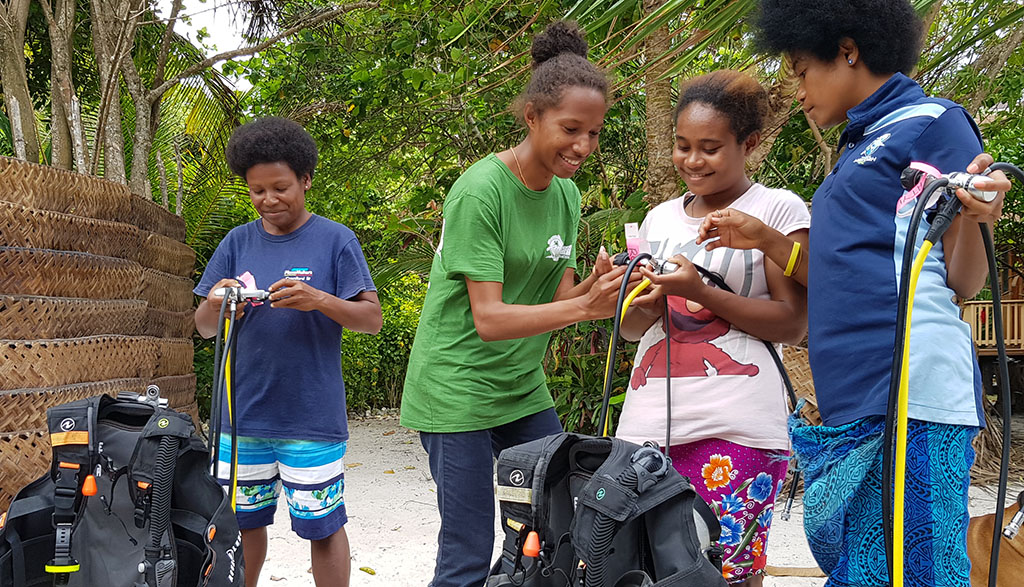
x,y
305,23
165,44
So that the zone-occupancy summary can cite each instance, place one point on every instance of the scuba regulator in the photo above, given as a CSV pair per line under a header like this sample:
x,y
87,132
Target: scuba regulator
x,y
896,413
223,367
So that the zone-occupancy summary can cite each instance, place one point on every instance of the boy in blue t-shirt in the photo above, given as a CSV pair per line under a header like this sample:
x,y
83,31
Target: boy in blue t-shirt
x,y
290,401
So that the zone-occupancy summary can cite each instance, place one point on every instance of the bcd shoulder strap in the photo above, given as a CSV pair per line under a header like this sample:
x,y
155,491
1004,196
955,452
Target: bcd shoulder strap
x,y
72,439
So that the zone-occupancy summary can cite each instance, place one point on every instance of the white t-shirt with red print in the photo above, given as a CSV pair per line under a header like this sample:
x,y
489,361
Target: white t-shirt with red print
x,y
724,382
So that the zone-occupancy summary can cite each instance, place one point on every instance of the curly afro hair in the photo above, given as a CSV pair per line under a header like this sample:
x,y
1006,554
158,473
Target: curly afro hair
x,y
888,33
733,93
559,62
269,140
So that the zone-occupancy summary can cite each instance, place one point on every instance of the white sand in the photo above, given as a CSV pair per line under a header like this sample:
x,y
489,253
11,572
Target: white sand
x,y
393,519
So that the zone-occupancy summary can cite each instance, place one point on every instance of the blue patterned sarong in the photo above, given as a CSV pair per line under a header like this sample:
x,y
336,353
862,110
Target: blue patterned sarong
x,y
842,469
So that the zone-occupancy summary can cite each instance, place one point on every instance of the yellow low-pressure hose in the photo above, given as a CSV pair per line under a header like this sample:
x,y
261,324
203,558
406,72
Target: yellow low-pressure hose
x,y
231,419
611,343
903,401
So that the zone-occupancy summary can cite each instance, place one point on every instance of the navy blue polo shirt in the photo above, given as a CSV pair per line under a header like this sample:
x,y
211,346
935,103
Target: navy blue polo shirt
x,y
859,220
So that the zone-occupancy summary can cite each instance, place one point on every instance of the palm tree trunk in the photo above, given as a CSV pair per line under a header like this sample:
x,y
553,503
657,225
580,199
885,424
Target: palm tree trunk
x,y
661,183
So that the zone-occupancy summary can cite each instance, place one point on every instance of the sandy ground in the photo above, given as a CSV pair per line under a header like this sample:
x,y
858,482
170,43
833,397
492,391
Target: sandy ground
x,y
393,518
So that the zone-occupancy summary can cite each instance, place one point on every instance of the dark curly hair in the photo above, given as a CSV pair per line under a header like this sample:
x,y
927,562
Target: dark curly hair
x,y
733,93
888,33
269,140
559,62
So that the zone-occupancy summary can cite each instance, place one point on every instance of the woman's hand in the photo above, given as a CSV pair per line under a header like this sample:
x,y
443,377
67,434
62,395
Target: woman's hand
x,y
975,210
733,229
603,263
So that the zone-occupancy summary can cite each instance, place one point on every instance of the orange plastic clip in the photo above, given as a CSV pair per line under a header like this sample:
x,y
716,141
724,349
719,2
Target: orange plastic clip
x,y
89,486
531,547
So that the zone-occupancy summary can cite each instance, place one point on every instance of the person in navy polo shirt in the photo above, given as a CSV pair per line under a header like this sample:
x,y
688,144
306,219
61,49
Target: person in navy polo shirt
x,y
851,58
292,425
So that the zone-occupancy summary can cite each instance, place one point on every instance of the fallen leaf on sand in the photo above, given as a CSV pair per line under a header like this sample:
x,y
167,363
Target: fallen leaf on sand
x,y
389,472
409,467
276,578
368,570
389,432
352,465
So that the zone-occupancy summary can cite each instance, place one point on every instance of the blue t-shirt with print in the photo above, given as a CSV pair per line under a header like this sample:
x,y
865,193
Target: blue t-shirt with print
x,y
287,377
859,220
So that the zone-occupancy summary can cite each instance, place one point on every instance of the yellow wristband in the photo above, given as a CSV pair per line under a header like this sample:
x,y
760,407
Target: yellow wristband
x,y
793,256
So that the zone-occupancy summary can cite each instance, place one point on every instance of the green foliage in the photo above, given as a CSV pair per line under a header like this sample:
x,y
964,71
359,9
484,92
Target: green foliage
x,y
374,365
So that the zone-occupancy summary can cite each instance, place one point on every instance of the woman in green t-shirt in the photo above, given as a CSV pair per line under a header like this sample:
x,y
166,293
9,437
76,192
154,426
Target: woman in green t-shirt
x,y
502,279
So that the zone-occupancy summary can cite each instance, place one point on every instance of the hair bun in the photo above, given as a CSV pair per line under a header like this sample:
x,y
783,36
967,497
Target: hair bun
x,y
559,37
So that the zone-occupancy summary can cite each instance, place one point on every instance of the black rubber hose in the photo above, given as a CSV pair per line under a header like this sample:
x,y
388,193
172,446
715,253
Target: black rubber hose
x,y
1004,380
786,381
1004,393
909,247
233,464
668,377
215,403
613,343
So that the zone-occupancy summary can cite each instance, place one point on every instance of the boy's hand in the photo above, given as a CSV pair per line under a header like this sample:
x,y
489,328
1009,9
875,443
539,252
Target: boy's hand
x,y
294,294
733,228
216,300
683,282
975,210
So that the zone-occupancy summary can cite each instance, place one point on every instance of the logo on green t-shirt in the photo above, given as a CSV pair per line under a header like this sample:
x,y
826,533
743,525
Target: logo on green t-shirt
x,y
558,249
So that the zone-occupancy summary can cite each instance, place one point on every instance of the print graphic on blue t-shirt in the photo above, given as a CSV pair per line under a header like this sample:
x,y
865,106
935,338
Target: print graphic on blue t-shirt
x,y
299,273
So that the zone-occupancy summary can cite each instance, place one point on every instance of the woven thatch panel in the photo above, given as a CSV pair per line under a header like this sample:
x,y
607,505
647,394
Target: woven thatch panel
x,y
148,215
53,363
30,317
41,229
24,457
164,324
166,254
25,409
178,390
167,292
71,275
173,356
799,368
58,190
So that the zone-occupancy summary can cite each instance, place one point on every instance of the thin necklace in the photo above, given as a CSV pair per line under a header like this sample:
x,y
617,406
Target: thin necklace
x,y
519,167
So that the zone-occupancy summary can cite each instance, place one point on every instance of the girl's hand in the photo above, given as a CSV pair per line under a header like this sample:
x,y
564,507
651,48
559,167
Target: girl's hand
x,y
216,300
975,210
683,282
733,228
650,301
298,295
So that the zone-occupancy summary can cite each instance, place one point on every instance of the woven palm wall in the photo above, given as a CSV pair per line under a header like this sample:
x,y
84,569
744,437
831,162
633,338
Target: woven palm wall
x,y
95,297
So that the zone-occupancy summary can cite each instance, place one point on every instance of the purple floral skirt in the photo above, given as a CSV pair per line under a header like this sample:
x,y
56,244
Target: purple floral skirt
x,y
740,484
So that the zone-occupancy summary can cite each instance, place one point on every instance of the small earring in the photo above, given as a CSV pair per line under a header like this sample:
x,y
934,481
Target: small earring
x,y
850,61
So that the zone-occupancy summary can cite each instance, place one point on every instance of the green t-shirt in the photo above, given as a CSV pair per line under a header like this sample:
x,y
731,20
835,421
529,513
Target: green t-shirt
x,y
495,229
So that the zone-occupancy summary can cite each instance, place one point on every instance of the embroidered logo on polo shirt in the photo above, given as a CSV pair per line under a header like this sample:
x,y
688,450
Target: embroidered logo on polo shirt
x,y
867,155
299,273
557,249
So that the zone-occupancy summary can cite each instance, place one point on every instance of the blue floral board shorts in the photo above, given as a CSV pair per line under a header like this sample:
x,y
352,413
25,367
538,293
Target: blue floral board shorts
x,y
311,472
